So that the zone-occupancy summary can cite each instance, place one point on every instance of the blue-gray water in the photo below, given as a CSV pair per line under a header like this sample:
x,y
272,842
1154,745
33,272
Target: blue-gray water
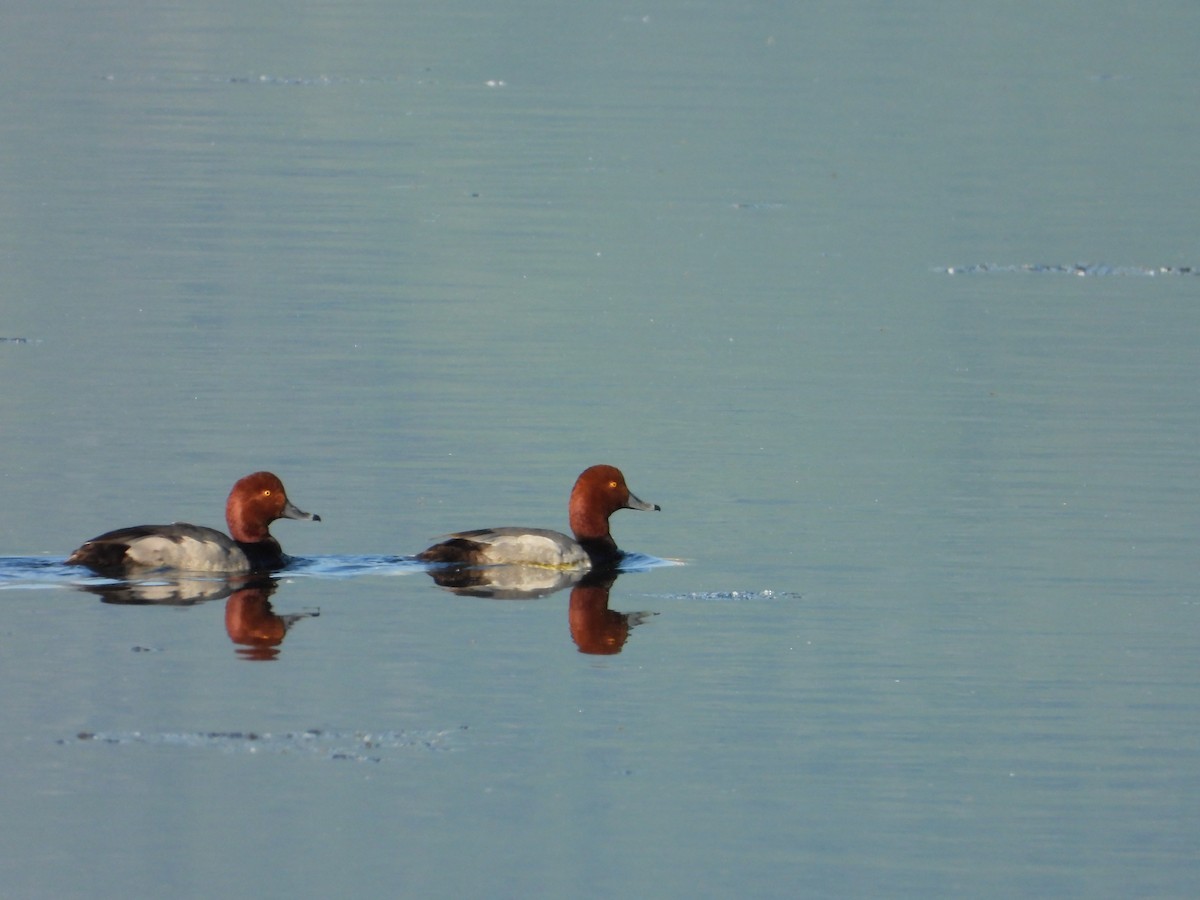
x,y
935,630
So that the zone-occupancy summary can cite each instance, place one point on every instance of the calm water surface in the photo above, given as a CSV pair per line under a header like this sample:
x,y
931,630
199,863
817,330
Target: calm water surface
x,y
932,629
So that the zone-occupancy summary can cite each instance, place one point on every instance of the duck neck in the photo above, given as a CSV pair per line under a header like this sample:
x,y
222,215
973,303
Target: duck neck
x,y
588,523
241,529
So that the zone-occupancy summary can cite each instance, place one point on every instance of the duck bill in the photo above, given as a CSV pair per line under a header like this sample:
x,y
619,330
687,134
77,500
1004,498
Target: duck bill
x,y
634,503
291,511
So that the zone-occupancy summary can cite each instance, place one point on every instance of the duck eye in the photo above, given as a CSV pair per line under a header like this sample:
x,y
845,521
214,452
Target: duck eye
x,y
612,484
267,492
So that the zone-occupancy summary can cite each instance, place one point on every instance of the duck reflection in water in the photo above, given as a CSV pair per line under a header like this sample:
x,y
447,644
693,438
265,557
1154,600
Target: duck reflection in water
x,y
163,591
250,620
595,628
505,582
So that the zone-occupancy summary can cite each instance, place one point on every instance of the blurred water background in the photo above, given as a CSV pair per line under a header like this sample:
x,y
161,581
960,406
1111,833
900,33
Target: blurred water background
x,y
891,309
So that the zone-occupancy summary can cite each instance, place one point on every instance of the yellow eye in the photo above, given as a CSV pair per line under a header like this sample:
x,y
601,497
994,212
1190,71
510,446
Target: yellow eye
x,y
267,492
612,484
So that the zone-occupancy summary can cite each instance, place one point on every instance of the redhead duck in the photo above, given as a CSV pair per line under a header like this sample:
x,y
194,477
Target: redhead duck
x,y
254,503
598,493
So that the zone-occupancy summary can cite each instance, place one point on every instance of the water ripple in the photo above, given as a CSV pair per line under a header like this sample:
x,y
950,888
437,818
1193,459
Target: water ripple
x,y
740,596
352,746
1080,269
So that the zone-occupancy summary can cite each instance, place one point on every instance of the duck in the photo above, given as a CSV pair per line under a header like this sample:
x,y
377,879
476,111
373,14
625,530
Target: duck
x,y
598,493
254,503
